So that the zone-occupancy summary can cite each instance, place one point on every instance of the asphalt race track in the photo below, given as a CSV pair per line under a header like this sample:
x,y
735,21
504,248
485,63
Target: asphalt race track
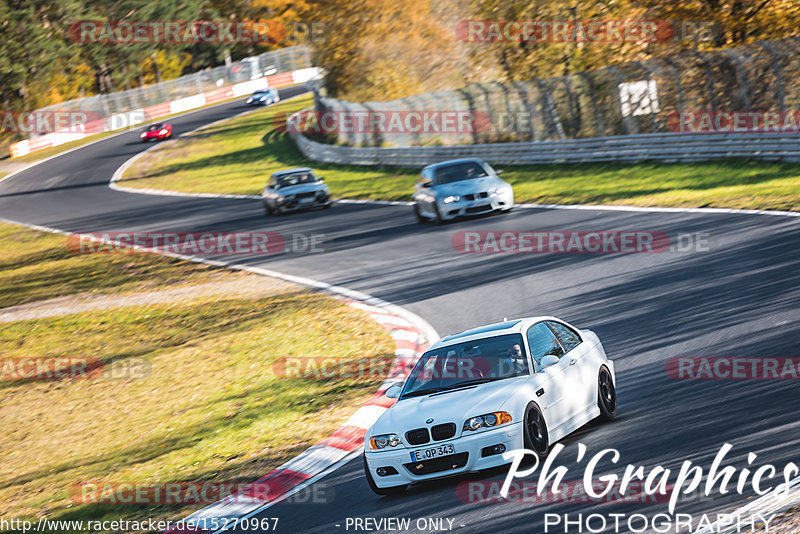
x,y
740,298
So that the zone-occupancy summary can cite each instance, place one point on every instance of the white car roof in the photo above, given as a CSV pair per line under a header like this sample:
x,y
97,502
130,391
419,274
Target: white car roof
x,y
513,326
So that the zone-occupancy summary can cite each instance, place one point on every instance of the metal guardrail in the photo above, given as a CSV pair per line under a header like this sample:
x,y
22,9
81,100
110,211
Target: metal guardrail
x,y
623,113
108,104
667,147
632,98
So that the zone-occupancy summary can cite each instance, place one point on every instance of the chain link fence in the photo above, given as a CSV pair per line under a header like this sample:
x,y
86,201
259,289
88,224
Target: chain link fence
x,y
641,97
268,63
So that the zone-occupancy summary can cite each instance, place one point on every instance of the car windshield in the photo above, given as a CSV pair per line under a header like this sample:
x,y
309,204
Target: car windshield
x,y
459,171
154,127
464,364
260,92
295,179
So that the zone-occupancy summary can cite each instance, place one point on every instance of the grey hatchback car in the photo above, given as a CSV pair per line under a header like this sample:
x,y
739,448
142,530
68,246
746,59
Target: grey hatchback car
x,y
293,190
459,188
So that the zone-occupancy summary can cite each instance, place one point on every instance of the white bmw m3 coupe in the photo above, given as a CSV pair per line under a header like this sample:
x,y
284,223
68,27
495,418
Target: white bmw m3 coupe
x,y
472,396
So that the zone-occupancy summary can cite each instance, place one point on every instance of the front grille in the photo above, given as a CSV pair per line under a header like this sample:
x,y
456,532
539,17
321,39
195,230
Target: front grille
x,y
437,465
469,197
483,195
443,431
478,209
305,195
418,436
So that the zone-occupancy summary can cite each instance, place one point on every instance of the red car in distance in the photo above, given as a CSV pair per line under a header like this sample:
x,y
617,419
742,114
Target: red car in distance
x,y
156,132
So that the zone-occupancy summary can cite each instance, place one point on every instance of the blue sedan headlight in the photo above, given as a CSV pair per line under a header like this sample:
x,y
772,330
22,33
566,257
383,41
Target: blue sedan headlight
x,y
451,199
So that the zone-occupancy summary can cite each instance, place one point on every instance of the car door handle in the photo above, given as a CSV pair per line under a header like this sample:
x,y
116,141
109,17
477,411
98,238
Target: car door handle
x,y
573,362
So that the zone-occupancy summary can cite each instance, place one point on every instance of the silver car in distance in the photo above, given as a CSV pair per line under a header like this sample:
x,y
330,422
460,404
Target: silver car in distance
x,y
458,188
293,190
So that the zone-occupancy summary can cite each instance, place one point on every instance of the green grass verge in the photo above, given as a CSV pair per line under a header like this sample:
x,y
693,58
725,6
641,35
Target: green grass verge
x,y
238,155
37,266
209,409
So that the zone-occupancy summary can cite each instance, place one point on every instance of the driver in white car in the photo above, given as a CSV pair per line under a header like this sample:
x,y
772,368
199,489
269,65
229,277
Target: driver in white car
x,y
514,361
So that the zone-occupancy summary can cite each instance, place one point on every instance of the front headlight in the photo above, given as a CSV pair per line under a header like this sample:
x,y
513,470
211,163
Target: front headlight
x,y
488,420
451,199
383,441
163,131
249,100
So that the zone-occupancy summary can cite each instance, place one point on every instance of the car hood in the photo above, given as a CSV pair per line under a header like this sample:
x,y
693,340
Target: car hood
x,y
454,406
466,187
302,188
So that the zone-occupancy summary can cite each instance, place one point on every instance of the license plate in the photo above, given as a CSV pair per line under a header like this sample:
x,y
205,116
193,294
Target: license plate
x,y
306,200
433,452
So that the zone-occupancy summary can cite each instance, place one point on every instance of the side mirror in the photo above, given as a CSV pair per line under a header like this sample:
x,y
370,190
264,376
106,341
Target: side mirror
x,y
548,361
426,184
498,172
320,179
393,392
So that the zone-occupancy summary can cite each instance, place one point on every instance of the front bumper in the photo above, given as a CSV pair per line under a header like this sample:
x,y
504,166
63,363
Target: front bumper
x,y
296,204
463,208
149,138
470,443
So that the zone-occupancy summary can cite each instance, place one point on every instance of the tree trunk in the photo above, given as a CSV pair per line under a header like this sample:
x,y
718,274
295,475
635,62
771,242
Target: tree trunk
x,y
126,76
155,67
